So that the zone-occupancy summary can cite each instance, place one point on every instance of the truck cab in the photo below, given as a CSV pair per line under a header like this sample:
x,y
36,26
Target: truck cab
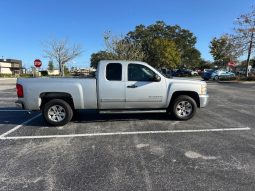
x,y
130,85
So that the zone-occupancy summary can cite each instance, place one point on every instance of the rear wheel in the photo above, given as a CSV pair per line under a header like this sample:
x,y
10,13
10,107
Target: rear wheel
x,y
216,78
184,107
57,112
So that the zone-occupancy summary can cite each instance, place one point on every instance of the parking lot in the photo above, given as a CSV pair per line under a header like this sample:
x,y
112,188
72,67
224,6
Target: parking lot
x,y
213,151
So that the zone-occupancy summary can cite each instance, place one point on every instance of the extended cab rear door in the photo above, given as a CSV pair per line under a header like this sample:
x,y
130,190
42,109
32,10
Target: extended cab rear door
x,y
111,86
145,89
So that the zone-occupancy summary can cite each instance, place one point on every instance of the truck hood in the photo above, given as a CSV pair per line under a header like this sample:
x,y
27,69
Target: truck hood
x,y
185,81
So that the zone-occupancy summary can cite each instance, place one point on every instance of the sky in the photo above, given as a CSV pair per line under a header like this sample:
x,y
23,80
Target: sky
x,y
26,24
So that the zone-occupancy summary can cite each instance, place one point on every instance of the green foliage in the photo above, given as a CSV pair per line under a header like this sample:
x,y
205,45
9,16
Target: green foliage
x,y
7,76
184,40
158,44
244,78
163,53
218,50
26,75
204,65
44,73
252,63
50,65
66,70
101,55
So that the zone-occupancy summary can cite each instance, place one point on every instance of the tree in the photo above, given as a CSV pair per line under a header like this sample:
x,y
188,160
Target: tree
x,y
203,64
50,65
101,55
61,52
163,53
123,48
117,48
224,49
245,34
252,61
184,40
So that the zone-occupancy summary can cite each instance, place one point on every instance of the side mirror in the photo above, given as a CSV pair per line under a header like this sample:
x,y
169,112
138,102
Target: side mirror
x,y
157,78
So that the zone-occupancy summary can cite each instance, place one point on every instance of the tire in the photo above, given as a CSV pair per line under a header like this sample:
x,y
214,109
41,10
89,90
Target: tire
x,y
184,107
57,112
216,78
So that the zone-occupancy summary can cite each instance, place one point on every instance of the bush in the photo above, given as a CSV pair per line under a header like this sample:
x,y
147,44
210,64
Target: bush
x,y
243,78
26,75
44,73
6,76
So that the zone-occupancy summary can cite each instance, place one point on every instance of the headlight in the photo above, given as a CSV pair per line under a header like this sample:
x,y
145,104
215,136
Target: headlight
x,y
203,89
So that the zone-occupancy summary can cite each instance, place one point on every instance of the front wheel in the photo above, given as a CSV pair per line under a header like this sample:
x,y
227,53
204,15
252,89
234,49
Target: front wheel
x,y
57,112
184,107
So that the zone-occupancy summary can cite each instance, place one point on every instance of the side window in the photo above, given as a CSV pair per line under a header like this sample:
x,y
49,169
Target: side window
x,y
137,72
114,72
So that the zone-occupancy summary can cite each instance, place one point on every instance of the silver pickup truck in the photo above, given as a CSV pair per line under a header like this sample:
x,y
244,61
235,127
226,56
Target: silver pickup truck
x,y
118,86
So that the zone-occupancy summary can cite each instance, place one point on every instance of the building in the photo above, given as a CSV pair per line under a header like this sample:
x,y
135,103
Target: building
x,y
54,72
82,71
10,66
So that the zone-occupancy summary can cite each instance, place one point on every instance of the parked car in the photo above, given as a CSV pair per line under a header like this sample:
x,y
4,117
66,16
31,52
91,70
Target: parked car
x,y
206,74
119,86
181,73
192,72
220,74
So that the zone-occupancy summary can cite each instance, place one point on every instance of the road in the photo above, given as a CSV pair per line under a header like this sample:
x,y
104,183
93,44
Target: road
x,y
213,151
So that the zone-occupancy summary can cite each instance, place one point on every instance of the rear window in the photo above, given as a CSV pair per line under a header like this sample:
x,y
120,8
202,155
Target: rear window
x,y
114,72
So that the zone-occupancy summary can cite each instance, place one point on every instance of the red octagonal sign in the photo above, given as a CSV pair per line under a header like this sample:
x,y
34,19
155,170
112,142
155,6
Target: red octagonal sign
x,y
38,63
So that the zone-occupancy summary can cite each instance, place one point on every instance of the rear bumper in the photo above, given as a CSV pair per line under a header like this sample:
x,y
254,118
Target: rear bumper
x,y
19,104
203,100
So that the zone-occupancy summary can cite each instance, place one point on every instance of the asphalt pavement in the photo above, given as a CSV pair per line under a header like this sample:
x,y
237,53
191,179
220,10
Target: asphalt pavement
x,y
213,151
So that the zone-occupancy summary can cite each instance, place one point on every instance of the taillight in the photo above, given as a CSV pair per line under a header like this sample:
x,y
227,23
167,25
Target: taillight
x,y
19,89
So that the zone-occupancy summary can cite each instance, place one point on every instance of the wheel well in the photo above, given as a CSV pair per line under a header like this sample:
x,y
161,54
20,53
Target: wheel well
x,y
47,96
193,95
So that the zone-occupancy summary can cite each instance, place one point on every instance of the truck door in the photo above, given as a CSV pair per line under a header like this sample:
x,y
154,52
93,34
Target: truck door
x,y
144,88
111,87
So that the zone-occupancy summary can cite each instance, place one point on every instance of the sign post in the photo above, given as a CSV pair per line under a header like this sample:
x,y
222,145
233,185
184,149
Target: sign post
x,y
37,64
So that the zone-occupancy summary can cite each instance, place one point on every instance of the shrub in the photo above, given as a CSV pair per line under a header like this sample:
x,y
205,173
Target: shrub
x,y
26,75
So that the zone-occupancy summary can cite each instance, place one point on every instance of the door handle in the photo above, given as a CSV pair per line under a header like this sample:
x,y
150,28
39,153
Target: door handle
x,y
132,86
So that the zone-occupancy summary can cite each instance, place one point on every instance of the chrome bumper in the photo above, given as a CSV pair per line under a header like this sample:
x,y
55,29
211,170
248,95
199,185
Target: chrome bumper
x,y
203,100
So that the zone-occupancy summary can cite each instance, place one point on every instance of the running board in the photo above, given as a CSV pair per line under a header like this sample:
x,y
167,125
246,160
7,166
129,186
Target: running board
x,y
130,111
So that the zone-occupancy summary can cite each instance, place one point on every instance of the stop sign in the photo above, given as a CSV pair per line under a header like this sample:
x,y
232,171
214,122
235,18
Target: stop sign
x,y
38,63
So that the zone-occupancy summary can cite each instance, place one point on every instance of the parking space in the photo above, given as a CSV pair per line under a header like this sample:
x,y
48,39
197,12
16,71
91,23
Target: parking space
x,y
213,151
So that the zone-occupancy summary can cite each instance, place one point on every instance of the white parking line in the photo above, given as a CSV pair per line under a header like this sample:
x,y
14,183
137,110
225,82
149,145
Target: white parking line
x,y
125,133
19,126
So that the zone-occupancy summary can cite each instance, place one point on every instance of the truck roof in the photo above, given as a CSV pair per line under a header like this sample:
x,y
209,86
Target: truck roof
x,y
122,62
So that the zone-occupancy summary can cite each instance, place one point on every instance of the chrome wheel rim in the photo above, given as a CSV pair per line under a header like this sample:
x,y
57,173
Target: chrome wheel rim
x,y
184,109
56,113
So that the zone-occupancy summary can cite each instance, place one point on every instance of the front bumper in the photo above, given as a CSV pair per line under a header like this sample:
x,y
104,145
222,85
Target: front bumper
x,y
20,104
203,100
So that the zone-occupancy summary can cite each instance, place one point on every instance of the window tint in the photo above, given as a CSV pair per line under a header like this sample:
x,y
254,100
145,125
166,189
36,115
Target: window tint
x,y
114,72
137,72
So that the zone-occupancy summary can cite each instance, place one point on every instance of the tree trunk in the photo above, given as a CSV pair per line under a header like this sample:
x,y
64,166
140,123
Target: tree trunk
x,y
249,55
62,70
